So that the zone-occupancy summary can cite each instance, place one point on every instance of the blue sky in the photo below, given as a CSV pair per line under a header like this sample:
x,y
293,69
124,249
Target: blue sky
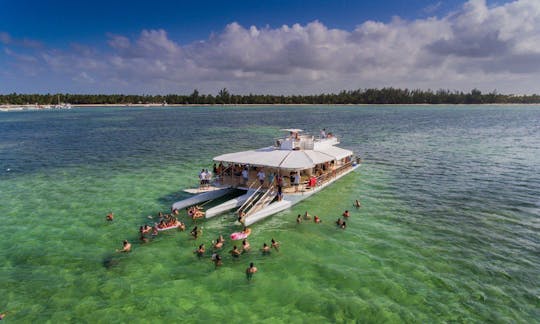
x,y
278,47
57,22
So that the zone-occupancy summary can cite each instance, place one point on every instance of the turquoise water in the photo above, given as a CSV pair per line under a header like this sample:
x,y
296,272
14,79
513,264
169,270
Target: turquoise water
x,y
449,230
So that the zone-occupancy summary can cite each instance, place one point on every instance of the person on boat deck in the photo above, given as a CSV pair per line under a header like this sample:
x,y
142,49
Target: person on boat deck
x,y
316,219
279,192
208,177
296,181
245,175
346,214
275,244
245,246
265,249
110,217
357,204
235,252
200,250
299,219
323,133
250,271
215,169
126,247
202,176
271,177
261,176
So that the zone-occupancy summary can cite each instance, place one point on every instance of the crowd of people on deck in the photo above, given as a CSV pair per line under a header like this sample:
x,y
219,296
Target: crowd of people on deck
x,y
167,221
205,178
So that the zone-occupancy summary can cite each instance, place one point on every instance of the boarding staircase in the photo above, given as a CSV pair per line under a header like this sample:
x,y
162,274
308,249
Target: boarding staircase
x,y
258,200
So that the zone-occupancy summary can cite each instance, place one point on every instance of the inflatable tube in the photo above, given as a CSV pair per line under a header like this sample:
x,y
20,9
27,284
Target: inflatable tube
x,y
238,236
167,228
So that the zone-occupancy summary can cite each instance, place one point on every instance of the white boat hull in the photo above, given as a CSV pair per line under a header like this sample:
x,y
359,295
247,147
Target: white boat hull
x,y
209,195
228,205
290,200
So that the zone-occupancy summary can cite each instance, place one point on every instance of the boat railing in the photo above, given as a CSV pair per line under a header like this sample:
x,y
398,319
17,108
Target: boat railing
x,y
325,177
251,198
265,199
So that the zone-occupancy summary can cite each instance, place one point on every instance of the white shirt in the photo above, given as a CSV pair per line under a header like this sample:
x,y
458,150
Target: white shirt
x,y
261,175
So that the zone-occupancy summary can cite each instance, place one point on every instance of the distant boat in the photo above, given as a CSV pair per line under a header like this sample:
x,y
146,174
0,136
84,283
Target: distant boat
x,y
62,105
310,163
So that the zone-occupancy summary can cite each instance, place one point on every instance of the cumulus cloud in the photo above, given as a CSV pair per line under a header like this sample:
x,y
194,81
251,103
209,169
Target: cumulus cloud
x,y
477,46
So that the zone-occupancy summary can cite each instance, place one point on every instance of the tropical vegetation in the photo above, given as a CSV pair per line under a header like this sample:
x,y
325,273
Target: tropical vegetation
x,y
360,96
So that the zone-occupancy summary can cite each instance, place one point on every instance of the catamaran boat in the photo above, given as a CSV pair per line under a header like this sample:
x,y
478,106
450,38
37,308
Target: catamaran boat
x,y
274,178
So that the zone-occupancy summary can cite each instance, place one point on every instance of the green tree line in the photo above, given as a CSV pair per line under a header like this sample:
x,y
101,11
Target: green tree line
x,y
360,96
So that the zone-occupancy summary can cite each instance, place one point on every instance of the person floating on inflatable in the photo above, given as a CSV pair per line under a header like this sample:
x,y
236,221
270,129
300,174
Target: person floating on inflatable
x,y
241,235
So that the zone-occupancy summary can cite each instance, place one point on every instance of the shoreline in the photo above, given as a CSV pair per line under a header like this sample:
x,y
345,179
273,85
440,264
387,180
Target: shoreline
x,y
8,107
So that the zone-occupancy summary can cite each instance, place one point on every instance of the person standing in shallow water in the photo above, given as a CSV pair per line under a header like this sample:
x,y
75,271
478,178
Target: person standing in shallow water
x,y
126,247
251,271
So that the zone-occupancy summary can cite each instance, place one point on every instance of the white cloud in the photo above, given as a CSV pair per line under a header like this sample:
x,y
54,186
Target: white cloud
x,y
477,46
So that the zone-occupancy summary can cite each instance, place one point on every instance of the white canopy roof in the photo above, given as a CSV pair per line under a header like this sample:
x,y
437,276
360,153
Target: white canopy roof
x,y
285,159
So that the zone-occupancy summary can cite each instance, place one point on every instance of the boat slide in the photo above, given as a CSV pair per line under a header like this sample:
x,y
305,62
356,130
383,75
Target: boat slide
x,y
199,198
228,205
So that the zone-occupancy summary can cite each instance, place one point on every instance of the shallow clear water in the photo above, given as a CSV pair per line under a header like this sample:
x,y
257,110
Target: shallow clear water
x,y
449,229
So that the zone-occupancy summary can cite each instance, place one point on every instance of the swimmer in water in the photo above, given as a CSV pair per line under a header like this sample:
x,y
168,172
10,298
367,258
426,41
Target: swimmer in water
x,y
2,316
218,244
265,249
250,271
275,244
143,238
246,230
299,219
346,214
216,258
195,232
235,252
357,204
317,220
307,216
339,222
110,217
200,250
126,247
245,246
343,225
